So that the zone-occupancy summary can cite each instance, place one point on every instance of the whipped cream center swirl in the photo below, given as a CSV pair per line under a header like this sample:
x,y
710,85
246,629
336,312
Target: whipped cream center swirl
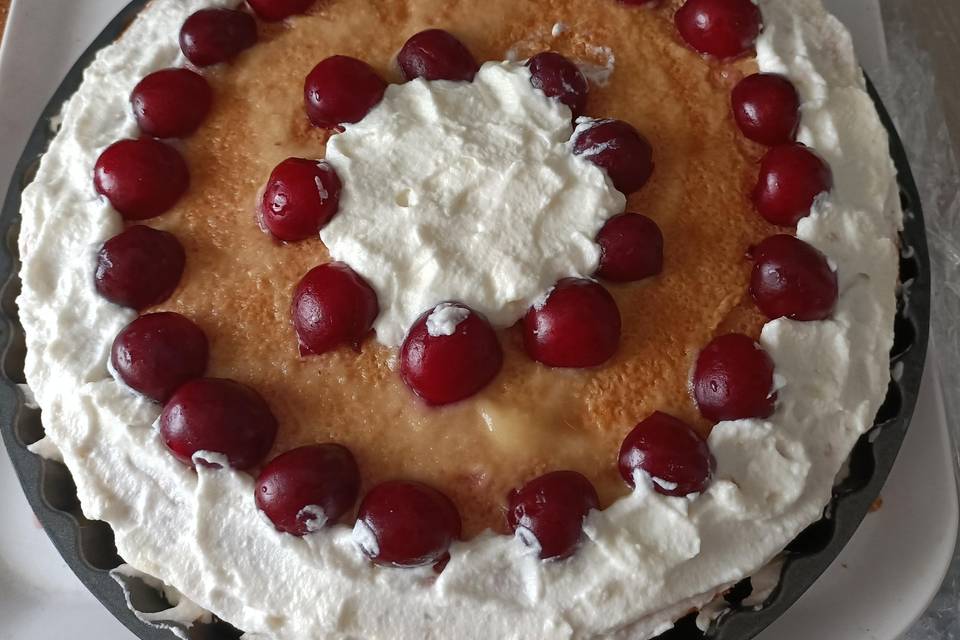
x,y
465,192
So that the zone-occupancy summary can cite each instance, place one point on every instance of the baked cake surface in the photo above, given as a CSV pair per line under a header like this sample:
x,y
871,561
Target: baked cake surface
x,y
531,420
647,559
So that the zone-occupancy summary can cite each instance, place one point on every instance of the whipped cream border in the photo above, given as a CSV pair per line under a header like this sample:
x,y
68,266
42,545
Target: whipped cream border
x,y
648,559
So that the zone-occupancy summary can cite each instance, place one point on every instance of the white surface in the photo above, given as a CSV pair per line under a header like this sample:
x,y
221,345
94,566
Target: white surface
x,y
899,584
465,191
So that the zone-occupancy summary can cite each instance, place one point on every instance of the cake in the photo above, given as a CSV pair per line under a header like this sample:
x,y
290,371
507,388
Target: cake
x,y
403,319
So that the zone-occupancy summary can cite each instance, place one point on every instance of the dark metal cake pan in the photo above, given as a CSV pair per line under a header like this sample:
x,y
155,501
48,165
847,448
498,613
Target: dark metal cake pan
x,y
88,547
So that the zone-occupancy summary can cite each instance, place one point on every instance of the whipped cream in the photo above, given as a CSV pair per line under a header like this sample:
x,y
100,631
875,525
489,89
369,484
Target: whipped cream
x,y
182,614
467,192
445,318
647,560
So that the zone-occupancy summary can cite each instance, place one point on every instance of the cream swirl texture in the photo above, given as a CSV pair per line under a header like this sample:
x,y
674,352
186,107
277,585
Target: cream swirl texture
x,y
648,559
465,191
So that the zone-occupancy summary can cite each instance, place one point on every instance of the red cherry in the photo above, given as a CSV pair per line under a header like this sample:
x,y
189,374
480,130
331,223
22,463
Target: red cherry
x,y
792,279
139,267
577,326
171,103
435,54
341,90
450,353
307,488
549,512
671,452
218,416
559,78
619,149
158,352
332,305
406,524
791,177
720,28
766,107
733,379
631,248
300,198
212,36
141,178
276,10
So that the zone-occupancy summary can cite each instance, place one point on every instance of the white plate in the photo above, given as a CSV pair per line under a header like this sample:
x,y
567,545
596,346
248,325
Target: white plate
x,y
877,587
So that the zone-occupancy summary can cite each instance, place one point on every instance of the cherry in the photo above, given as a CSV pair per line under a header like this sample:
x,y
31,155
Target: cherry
x,y
720,28
733,379
577,326
766,107
341,90
549,512
158,352
791,177
332,305
631,248
307,488
792,279
406,524
141,178
435,54
276,10
450,353
218,416
674,455
139,267
300,198
212,36
619,149
171,103
559,78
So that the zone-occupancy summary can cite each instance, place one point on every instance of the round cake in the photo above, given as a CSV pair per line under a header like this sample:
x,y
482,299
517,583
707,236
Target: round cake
x,y
430,319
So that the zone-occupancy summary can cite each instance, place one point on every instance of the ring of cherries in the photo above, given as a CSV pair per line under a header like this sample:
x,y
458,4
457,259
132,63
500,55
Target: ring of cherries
x,y
164,355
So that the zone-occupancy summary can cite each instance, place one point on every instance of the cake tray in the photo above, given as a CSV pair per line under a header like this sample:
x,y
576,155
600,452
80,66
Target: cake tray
x,y
88,546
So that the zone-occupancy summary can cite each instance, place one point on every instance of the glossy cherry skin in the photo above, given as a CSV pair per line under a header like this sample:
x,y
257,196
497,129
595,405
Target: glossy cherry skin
x,y
435,54
341,90
671,452
559,78
443,369
631,248
550,510
139,267
158,352
171,103
332,306
577,326
406,524
276,10
619,149
218,416
766,108
300,198
791,177
212,36
792,279
733,379
141,178
295,485
719,28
